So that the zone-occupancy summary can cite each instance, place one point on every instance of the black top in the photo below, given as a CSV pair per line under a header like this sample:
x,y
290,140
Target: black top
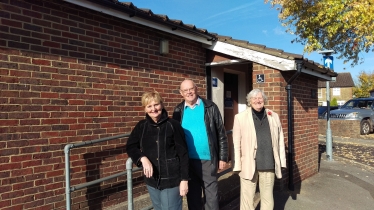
x,y
264,153
164,144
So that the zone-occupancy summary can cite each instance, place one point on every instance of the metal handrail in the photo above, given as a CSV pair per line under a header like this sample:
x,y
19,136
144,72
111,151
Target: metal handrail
x,y
130,199
129,171
67,148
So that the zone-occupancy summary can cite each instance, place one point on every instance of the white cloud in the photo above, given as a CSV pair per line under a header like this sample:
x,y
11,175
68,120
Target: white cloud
x,y
265,32
279,31
245,9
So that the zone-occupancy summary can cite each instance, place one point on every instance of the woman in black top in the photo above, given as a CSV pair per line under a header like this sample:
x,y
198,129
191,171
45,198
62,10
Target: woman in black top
x,y
158,144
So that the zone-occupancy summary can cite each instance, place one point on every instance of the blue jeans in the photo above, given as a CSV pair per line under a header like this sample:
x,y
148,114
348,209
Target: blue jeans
x,y
166,199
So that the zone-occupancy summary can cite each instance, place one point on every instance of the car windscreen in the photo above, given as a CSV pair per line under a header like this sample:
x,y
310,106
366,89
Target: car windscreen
x,y
358,104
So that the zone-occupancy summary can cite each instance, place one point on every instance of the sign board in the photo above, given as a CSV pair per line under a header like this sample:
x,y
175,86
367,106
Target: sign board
x,y
260,78
328,61
214,82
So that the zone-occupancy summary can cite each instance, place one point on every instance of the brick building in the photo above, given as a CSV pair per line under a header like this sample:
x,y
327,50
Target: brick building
x,y
341,89
73,71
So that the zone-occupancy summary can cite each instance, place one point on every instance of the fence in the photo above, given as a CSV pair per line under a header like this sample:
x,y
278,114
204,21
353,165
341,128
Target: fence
x,y
128,172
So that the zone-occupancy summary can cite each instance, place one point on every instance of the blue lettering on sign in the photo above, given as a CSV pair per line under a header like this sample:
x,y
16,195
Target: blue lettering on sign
x,y
328,62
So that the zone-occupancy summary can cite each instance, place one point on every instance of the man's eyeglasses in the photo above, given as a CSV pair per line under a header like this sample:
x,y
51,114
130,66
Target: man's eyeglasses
x,y
188,90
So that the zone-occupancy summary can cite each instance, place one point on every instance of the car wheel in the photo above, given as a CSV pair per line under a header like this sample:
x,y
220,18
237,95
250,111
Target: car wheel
x,y
365,127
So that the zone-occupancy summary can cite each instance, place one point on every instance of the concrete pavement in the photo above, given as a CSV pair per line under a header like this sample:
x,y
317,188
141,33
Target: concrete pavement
x,y
341,184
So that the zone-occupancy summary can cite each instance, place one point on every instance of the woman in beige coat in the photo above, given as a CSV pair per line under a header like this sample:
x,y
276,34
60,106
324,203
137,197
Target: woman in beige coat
x,y
259,151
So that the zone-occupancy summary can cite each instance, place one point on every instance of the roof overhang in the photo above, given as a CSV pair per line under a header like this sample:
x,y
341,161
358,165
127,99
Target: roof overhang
x,y
228,62
272,61
254,56
208,41
205,39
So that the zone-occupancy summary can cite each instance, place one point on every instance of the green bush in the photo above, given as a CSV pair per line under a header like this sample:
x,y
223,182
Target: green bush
x,y
334,102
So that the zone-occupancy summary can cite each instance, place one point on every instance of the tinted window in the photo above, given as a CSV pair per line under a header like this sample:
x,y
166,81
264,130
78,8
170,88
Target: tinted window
x,y
358,104
349,104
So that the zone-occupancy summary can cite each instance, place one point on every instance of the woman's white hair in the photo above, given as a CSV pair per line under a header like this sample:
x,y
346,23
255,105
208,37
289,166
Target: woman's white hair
x,y
253,94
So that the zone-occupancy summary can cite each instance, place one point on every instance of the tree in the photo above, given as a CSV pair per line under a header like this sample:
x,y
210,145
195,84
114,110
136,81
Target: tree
x,y
364,85
334,102
345,26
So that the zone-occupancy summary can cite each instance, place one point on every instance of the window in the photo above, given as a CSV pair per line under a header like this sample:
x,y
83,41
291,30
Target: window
x,y
340,103
336,91
319,92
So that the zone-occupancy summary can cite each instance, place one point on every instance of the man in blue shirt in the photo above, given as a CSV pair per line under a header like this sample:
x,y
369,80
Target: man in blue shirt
x,y
207,145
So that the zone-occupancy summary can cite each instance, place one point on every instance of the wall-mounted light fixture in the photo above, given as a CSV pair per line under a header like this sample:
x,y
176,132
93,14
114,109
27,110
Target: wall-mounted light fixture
x,y
164,46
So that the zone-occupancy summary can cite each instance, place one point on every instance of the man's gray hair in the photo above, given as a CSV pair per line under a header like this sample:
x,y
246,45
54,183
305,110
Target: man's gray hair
x,y
253,94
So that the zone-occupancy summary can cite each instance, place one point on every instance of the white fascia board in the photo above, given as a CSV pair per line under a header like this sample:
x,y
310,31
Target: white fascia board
x,y
124,16
317,74
254,56
226,62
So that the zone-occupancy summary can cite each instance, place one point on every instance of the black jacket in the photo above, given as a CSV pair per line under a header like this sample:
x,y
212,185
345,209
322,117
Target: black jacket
x,y
164,144
215,129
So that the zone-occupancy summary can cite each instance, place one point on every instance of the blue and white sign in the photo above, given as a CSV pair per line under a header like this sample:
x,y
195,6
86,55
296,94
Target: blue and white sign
x,y
328,62
214,82
260,78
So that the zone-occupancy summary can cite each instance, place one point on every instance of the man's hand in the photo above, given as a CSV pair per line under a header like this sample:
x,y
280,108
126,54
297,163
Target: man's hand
x,y
222,165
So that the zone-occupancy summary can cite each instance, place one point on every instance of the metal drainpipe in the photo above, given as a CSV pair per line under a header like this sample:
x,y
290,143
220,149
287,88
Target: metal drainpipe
x,y
290,126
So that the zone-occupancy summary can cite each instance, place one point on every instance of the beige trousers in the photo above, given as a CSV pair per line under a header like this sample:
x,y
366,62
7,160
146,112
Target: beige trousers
x,y
248,190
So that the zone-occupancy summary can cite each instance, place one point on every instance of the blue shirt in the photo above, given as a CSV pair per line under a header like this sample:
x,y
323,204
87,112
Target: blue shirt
x,y
195,131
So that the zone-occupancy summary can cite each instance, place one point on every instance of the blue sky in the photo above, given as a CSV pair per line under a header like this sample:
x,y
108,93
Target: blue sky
x,y
250,20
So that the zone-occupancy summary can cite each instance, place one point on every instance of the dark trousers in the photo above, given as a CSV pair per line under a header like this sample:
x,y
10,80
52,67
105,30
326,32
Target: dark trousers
x,y
202,183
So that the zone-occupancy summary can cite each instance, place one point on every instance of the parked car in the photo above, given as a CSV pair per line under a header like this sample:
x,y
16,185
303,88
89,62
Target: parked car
x,y
323,109
361,109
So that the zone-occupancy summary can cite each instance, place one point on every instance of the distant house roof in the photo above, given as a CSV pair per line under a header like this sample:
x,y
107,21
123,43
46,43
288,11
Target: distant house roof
x,y
162,22
342,80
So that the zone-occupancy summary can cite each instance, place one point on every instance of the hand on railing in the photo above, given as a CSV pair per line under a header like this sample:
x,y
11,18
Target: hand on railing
x,y
147,167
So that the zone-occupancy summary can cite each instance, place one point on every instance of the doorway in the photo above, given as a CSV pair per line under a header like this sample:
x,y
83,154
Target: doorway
x,y
230,105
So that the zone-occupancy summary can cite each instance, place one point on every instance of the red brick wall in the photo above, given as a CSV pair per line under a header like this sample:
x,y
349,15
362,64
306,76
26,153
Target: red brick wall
x,y
341,128
68,75
304,116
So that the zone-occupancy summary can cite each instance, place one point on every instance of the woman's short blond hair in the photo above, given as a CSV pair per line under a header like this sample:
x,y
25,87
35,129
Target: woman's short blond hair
x,y
148,97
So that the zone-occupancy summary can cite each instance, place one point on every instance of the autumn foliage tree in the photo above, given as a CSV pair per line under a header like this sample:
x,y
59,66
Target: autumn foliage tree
x,y
345,26
364,84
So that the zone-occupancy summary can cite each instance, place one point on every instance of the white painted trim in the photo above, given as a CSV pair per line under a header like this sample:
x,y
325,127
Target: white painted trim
x,y
226,62
254,56
161,27
317,74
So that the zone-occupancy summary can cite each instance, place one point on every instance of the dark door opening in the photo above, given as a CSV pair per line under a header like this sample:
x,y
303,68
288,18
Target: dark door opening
x,y
230,104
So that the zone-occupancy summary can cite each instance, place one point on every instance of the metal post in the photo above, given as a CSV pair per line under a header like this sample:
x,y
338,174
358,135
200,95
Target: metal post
x,y
328,129
67,175
328,63
129,184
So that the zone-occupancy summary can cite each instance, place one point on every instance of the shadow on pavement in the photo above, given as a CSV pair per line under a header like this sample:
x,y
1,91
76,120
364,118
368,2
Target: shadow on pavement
x,y
321,149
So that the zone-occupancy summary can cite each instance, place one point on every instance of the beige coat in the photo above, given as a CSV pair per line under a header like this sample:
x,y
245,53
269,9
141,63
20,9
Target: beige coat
x,y
245,143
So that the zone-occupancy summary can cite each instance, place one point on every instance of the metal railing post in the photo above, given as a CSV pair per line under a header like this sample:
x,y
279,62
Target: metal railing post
x,y
129,184
67,175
